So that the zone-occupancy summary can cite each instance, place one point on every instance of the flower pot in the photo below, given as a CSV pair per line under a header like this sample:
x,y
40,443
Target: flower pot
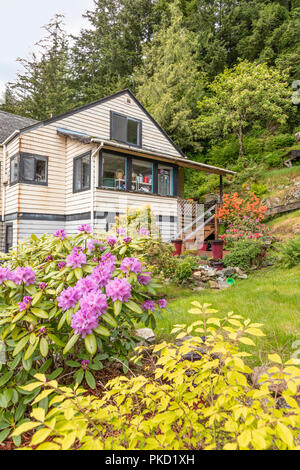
x,y
178,247
202,247
217,249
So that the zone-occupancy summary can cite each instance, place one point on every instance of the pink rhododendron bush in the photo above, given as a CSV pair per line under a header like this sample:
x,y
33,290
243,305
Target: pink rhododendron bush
x,y
68,303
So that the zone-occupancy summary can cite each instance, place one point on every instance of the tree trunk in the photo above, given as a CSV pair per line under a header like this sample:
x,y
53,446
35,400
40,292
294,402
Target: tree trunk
x,y
241,141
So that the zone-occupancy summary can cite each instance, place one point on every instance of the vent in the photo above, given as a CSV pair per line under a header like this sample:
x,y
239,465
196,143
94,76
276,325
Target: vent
x,y
128,100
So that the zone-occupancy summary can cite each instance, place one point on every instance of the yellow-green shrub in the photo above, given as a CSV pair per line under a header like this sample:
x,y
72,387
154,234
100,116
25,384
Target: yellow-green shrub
x,y
206,404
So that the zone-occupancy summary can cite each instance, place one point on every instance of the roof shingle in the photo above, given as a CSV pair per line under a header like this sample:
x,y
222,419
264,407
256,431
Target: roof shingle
x,y
11,122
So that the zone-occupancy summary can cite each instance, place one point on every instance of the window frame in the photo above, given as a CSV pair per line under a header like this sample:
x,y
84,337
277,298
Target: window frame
x,y
20,177
128,166
6,247
80,157
139,133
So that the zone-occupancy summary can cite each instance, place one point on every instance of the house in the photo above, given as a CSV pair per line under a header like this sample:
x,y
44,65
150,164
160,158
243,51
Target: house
x,y
87,166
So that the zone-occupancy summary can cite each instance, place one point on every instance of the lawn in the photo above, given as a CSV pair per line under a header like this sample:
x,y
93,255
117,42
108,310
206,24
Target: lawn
x,y
270,296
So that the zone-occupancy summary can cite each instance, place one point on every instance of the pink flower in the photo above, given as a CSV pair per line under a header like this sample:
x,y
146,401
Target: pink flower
x,y
144,279
61,265
5,275
162,303
43,285
60,234
85,228
144,232
69,298
118,289
94,303
25,304
87,284
23,275
83,323
103,273
111,241
76,259
127,240
149,305
121,231
93,244
131,265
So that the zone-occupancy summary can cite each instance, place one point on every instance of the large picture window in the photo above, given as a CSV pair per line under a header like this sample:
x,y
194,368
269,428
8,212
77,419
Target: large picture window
x,y
126,129
82,173
114,171
128,173
28,168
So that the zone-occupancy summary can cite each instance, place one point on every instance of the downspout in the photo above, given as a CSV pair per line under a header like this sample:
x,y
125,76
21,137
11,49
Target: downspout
x,y
93,159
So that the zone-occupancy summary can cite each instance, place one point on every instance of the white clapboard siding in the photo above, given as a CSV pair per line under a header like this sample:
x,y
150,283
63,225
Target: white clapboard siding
x,y
37,227
116,201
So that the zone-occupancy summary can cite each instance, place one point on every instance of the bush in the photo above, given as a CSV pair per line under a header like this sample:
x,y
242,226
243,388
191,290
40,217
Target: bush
x,y
185,269
159,257
67,305
279,142
244,254
289,254
205,404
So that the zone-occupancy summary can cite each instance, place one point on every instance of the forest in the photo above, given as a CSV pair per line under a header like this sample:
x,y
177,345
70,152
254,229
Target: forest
x,y
221,77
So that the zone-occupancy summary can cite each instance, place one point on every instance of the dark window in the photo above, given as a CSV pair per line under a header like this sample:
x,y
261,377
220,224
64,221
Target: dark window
x,y
27,168
82,173
165,180
14,169
126,129
8,237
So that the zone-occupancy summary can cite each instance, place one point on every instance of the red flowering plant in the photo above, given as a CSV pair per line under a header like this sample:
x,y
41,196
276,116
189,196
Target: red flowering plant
x,y
243,217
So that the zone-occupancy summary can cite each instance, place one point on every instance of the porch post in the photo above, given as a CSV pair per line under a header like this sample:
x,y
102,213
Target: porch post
x,y
221,189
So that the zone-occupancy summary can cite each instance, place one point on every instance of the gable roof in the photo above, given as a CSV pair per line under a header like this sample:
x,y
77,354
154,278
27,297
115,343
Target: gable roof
x,y
11,122
96,103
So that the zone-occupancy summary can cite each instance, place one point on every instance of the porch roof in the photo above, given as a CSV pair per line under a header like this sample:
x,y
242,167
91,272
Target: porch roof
x,y
183,162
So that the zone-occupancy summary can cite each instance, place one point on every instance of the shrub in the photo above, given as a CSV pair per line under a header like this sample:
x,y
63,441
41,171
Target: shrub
x,y
244,254
205,404
235,208
274,159
278,142
185,269
67,305
159,256
289,254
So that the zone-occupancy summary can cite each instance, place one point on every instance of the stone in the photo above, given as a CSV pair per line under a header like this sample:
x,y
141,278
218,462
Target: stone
x,y
214,285
146,334
223,285
297,135
227,272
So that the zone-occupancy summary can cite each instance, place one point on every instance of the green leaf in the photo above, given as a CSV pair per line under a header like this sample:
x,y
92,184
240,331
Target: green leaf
x,y
72,341
101,330
56,340
30,350
90,344
4,434
117,307
36,298
78,376
21,345
44,347
108,318
6,377
134,307
78,273
90,379
38,312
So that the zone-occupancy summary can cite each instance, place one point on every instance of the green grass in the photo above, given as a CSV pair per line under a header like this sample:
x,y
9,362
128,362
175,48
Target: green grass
x,y
270,296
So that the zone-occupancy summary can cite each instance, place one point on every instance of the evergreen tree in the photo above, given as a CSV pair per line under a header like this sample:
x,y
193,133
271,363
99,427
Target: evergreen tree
x,y
168,82
105,54
42,88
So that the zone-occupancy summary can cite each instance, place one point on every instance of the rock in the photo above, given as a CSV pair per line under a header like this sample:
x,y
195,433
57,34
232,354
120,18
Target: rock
x,y
297,135
227,272
214,285
179,342
146,334
194,355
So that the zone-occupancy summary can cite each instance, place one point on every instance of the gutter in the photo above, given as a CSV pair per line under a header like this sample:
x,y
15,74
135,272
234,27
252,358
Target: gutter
x,y
183,162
